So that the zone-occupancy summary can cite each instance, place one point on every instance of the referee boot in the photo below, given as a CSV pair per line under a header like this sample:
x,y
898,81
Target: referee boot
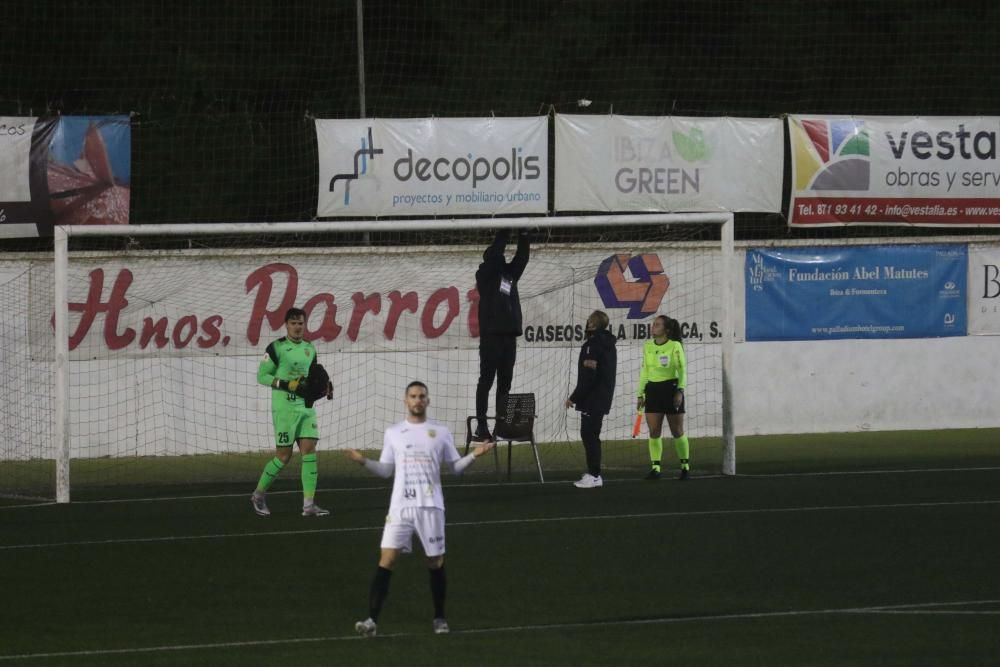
x,y
366,628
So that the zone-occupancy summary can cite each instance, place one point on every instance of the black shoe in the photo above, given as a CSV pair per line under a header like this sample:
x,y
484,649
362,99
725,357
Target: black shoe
x,y
482,436
653,474
684,475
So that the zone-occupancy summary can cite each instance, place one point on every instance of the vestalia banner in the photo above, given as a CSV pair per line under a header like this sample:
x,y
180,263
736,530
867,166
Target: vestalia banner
x,y
936,171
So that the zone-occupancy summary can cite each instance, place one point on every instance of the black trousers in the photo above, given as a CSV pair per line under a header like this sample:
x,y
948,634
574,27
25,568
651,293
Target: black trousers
x,y
590,433
497,354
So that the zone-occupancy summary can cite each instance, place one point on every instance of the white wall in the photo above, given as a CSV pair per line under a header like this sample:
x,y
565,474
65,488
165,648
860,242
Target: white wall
x,y
860,385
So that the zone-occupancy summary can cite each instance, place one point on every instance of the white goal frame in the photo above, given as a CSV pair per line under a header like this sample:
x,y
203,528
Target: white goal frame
x,y
61,427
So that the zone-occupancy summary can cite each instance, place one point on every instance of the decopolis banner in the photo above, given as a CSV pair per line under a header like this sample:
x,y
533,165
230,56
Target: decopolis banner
x,y
936,171
65,170
822,293
634,163
432,166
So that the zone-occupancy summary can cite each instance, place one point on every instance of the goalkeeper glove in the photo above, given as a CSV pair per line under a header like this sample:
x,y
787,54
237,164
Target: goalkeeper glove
x,y
293,386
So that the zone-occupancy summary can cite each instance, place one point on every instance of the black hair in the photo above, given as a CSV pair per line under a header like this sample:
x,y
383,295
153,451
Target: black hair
x,y
674,330
671,327
415,383
294,313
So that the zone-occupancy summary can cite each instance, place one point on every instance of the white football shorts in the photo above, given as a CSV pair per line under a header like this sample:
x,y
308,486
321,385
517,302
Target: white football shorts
x,y
426,522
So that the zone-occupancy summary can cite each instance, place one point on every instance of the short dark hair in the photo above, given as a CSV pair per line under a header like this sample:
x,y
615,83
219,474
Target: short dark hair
x,y
415,383
294,313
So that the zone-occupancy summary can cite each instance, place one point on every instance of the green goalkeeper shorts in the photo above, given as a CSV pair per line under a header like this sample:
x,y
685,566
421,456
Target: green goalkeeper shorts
x,y
293,420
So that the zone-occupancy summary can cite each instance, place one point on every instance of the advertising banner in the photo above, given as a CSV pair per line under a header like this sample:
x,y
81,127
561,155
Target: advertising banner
x,y
389,299
984,289
654,164
432,166
65,170
823,293
934,171
195,325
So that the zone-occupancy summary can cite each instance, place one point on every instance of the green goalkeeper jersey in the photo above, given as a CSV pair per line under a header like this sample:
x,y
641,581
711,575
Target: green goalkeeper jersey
x,y
285,360
661,363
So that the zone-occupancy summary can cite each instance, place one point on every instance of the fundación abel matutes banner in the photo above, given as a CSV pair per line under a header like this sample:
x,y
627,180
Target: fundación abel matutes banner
x,y
936,171
432,166
823,293
634,163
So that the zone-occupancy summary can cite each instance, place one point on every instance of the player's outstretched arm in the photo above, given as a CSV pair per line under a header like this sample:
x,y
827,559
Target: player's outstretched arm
x,y
483,448
375,467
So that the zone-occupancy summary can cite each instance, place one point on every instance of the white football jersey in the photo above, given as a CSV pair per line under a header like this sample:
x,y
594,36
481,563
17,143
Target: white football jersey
x,y
417,450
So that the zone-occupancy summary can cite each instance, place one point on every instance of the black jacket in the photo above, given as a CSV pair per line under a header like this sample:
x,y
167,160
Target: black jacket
x,y
496,280
595,386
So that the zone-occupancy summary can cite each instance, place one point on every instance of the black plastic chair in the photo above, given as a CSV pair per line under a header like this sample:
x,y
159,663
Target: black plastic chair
x,y
517,424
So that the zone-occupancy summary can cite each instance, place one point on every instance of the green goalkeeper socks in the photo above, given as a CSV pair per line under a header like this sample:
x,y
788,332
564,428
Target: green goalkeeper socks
x,y
271,472
656,452
310,475
683,450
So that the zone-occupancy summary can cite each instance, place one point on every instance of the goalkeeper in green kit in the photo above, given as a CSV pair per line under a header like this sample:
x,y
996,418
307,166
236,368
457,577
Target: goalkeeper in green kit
x,y
296,380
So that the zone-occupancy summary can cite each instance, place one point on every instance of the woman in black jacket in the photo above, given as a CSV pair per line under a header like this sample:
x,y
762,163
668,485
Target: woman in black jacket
x,y
595,387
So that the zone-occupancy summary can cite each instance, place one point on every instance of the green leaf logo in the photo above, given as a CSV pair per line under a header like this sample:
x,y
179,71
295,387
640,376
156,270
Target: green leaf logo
x,y
692,147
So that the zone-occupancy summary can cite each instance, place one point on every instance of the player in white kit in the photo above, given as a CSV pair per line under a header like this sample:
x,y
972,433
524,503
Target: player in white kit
x,y
413,450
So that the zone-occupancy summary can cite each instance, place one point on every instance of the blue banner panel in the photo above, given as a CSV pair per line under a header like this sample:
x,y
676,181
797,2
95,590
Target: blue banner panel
x,y
823,293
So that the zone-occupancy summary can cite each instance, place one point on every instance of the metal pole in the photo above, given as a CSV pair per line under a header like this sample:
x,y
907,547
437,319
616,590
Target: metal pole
x,y
361,57
61,394
728,348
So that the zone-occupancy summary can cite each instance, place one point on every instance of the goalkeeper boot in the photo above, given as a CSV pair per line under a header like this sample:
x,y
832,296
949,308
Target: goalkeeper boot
x,y
312,509
441,626
366,628
653,474
259,504
684,474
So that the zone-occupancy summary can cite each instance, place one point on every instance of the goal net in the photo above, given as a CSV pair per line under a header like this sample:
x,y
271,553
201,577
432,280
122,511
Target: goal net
x,y
165,334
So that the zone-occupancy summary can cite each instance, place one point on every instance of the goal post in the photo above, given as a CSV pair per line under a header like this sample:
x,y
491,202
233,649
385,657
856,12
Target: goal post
x,y
559,269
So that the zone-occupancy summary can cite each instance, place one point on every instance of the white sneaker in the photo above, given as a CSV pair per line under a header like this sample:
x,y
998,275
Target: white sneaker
x,y
365,628
314,510
259,504
441,626
588,481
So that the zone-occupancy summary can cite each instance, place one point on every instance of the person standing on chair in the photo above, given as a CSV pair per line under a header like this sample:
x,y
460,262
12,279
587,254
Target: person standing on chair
x,y
285,369
412,453
595,387
661,392
499,324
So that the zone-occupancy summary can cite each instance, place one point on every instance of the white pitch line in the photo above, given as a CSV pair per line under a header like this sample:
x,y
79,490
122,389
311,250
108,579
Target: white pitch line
x,y
937,612
350,489
496,630
900,471
505,522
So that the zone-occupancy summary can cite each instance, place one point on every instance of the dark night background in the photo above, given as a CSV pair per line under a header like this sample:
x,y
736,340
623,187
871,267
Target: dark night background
x,y
223,93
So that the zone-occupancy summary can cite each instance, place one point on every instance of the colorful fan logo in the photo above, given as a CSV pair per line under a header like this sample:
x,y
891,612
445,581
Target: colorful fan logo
x,y
831,155
637,283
